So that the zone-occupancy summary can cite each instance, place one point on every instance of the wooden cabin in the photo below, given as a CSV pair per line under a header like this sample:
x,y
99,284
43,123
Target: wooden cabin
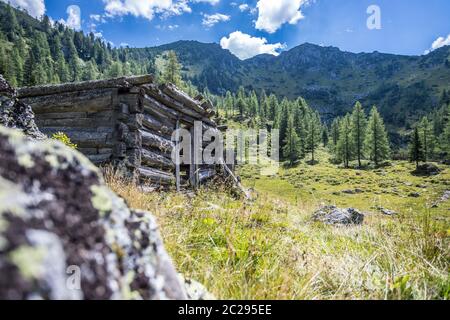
x,y
126,121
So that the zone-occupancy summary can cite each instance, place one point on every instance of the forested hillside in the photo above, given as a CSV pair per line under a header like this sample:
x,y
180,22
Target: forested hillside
x,y
404,88
37,52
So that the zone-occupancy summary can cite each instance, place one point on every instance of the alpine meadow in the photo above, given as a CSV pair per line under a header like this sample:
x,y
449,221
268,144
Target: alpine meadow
x,y
195,161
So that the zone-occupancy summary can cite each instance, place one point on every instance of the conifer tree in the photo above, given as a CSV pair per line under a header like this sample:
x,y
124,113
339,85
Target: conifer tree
x,y
291,149
376,142
334,133
427,139
416,153
345,146
314,134
172,71
359,123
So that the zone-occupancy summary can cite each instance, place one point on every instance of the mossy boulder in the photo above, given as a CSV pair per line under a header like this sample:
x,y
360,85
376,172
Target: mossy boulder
x,y
57,218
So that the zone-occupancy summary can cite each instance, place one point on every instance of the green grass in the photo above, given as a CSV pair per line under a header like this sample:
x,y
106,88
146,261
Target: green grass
x,y
270,249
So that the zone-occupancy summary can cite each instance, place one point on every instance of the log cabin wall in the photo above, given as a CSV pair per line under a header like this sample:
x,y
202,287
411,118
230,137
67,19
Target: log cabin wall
x,y
127,122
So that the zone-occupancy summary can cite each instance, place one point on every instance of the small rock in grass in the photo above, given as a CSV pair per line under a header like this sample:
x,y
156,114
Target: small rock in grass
x,y
334,215
414,195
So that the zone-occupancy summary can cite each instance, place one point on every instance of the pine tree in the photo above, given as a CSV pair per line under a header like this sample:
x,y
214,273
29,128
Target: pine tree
x,y
314,134
359,123
172,71
345,146
291,149
376,142
325,136
426,133
334,133
416,153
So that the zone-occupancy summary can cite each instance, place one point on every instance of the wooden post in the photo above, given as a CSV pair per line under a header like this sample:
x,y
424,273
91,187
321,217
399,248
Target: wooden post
x,y
177,156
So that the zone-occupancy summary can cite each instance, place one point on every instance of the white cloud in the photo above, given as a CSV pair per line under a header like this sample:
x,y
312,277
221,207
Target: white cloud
x,y
73,17
146,8
274,13
209,20
213,2
244,7
35,8
439,43
245,46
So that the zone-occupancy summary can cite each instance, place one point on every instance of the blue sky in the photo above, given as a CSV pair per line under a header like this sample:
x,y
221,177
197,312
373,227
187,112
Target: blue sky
x,y
248,27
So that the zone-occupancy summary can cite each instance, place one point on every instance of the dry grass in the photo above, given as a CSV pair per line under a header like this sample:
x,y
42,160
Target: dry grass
x,y
271,250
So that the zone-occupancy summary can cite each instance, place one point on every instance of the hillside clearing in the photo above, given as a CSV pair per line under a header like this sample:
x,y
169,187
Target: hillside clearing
x,y
271,249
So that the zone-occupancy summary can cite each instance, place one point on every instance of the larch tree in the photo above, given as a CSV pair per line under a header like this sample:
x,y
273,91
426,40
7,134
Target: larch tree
x,y
345,146
172,71
359,124
416,151
427,138
377,142
314,134
291,149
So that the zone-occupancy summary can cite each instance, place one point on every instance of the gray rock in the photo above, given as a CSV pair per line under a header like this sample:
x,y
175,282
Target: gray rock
x,y
427,169
15,114
56,212
334,215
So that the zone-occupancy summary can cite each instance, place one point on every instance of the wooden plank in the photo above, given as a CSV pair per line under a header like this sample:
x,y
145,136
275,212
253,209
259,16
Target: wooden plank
x,y
122,82
84,101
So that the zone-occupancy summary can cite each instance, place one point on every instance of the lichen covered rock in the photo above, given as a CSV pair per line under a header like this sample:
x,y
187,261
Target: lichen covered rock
x,y
57,218
15,114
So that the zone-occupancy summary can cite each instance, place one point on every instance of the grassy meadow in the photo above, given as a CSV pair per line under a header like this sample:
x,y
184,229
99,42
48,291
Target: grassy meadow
x,y
270,248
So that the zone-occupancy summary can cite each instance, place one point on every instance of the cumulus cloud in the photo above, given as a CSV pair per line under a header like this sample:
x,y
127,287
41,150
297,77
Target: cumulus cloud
x,y
35,8
439,43
245,46
273,14
146,8
244,7
209,20
73,17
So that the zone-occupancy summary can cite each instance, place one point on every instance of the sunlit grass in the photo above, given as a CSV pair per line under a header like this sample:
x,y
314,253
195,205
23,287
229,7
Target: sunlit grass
x,y
270,249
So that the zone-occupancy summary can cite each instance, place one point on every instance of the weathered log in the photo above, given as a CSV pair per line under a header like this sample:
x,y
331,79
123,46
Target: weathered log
x,y
100,158
156,176
133,158
155,125
133,102
73,123
133,139
173,92
123,82
84,138
152,140
83,101
134,121
154,160
170,102
153,105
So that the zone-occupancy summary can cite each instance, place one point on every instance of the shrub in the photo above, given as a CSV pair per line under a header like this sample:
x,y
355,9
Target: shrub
x,y
62,137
